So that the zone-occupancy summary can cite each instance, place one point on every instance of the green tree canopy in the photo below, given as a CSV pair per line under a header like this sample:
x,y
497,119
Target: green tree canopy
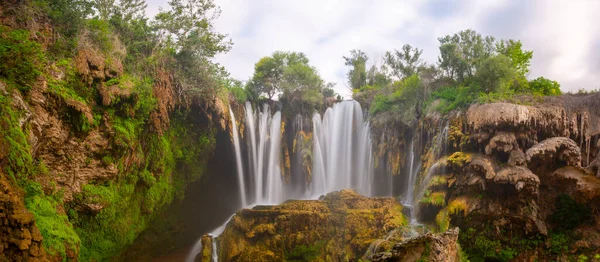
x,y
495,73
357,76
461,53
520,59
404,63
274,73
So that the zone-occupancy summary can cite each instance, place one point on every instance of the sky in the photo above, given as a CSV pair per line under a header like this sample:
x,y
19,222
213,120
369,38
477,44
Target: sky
x,y
563,34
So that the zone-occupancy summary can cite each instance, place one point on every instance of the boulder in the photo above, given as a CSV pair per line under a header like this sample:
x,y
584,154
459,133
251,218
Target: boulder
x,y
429,247
519,177
552,151
502,142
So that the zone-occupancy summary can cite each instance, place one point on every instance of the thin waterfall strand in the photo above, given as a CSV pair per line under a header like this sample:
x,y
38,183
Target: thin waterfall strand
x,y
238,157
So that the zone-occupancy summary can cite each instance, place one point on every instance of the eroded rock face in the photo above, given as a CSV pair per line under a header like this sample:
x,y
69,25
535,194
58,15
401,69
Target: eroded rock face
x,y
340,226
20,239
554,151
440,247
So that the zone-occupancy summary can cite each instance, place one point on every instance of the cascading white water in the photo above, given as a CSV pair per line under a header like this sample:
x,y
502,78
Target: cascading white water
x,y
412,174
197,248
238,157
439,148
341,154
341,151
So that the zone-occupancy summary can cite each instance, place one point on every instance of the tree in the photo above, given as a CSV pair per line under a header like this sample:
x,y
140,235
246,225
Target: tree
x,y
461,53
357,76
186,32
495,73
377,78
131,10
520,59
104,8
187,28
268,78
404,63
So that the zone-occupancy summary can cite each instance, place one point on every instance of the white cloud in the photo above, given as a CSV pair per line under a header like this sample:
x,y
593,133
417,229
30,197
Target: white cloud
x,y
563,34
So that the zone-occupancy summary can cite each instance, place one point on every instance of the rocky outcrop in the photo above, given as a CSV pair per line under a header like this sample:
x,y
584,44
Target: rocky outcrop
x,y
442,247
20,239
340,226
554,150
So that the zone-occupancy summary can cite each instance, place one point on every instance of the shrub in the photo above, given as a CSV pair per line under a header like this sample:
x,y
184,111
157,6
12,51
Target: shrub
x,y
544,86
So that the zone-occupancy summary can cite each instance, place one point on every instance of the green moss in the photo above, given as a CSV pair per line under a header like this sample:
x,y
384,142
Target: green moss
x,y
436,198
55,227
22,58
129,206
14,142
459,159
305,253
437,181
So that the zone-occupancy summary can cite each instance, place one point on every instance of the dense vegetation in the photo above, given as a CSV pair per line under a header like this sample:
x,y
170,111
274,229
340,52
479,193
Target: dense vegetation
x,y
157,146
471,68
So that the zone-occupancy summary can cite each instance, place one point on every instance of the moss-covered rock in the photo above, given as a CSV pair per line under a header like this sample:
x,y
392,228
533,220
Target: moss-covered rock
x,y
339,227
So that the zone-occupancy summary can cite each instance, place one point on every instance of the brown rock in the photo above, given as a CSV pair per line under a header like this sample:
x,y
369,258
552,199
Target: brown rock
x,y
342,225
554,151
503,142
440,247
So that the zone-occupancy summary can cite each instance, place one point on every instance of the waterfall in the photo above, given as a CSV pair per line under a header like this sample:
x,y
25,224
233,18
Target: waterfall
x,y
341,155
264,156
238,157
341,158
197,248
341,151
439,148
410,185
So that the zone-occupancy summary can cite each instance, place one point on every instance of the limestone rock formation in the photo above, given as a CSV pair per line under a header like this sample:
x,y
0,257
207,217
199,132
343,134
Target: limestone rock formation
x,y
554,150
441,247
339,227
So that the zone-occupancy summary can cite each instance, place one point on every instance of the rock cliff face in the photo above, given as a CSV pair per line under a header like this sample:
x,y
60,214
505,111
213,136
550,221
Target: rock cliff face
x,y
521,182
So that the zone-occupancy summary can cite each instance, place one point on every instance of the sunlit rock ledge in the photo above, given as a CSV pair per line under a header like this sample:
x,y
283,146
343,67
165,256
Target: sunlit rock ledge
x,y
339,227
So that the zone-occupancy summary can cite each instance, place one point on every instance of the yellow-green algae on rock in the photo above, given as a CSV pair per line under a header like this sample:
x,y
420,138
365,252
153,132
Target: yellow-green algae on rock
x,y
339,227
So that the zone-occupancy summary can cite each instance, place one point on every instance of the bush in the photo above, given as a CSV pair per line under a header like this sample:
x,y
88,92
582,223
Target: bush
x,y
239,93
22,58
544,86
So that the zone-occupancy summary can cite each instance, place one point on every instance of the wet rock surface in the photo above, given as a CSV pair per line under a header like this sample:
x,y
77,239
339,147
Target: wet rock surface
x,y
339,227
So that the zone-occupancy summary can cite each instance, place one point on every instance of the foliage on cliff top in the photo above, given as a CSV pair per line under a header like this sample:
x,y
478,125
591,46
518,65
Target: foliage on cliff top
x,y
471,68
